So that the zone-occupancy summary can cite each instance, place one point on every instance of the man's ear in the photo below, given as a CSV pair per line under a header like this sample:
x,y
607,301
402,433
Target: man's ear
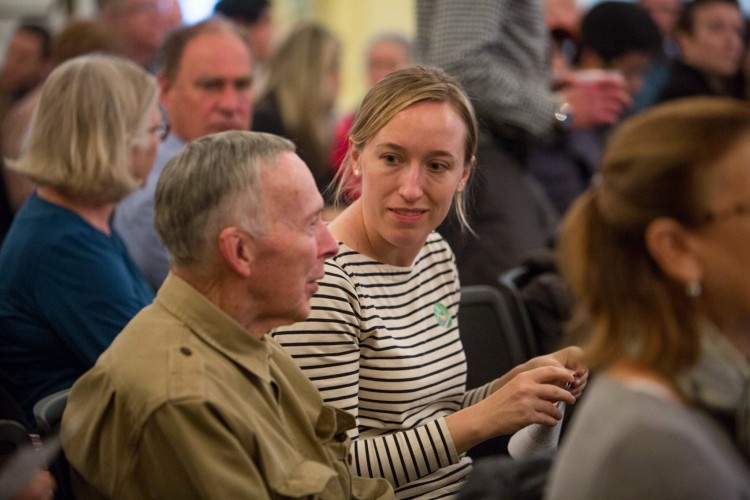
x,y
682,38
165,86
237,248
669,243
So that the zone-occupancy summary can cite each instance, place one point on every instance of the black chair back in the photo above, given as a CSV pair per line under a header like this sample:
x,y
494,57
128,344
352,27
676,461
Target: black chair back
x,y
492,339
494,342
48,412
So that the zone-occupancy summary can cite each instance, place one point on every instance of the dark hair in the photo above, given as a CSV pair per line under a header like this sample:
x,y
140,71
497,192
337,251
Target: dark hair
x,y
79,37
40,30
687,14
244,11
613,29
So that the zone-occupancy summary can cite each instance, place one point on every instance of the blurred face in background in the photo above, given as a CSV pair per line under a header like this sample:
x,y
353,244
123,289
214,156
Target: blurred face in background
x,y
664,13
385,56
24,65
144,145
632,65
211,91
140,26
716,43
564,15
722,244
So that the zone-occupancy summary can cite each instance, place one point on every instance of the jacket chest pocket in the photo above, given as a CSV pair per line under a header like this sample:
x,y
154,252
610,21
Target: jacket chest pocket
x,y
307,479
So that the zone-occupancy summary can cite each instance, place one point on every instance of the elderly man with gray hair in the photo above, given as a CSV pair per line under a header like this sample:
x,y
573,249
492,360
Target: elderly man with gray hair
x,y
193,399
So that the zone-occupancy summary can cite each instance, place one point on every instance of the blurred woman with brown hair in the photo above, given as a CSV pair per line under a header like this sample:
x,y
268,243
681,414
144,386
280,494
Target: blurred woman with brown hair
x,y
657,254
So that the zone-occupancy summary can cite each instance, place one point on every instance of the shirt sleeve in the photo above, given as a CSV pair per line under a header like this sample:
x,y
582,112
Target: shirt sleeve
x,y
498,51
326,347
88,294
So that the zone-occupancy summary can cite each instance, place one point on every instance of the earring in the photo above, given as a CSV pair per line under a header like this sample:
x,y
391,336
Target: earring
x,y
355,172
693,289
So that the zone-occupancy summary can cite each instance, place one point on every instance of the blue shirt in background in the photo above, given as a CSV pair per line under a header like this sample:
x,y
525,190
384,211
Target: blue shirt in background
x,y
66,290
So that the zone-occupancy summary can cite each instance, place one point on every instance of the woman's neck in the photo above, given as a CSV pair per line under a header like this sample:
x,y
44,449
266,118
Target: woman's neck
x,y
96,214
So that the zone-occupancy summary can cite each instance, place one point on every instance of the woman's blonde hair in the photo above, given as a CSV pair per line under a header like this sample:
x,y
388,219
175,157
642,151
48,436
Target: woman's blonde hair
x,y
297,82
654,166
396,92
91,110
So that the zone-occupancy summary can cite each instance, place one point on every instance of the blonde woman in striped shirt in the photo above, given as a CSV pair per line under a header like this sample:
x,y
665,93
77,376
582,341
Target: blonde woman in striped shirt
x,y
382,339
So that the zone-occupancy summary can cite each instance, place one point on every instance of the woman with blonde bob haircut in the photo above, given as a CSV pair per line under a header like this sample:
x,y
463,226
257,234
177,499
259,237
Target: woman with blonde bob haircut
x,y
382,338
91,115
67,285
657,255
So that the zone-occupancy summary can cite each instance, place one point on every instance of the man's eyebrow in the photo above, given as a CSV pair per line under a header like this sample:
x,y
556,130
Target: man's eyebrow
x,y
224,80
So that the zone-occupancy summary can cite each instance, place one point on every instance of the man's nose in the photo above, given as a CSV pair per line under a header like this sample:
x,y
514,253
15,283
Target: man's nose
x,y
327,245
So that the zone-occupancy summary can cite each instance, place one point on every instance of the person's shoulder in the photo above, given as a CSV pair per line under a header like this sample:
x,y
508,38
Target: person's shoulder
x,y
436,253
339,282
631,439
153,364
435,241
64,237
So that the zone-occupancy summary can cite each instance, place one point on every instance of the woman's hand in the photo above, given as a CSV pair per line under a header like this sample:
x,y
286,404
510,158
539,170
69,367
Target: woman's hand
x,y
527,398
40,487
570,358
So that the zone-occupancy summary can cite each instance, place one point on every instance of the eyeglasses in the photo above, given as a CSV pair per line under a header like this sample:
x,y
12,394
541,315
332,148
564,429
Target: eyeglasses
x,y
162,129
712,216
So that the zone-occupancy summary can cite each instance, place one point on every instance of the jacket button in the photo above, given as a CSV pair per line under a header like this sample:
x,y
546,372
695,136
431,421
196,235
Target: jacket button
x,y
186,351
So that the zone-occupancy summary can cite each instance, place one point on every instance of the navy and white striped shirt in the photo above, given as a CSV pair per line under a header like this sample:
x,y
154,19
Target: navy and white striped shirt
x,y
382,342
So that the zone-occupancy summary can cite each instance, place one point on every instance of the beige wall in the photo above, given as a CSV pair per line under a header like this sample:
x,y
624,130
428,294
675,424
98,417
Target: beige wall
x,y
355,21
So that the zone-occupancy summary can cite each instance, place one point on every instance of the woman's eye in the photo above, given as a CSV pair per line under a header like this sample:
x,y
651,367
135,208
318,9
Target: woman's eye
x,y
390,159
437,167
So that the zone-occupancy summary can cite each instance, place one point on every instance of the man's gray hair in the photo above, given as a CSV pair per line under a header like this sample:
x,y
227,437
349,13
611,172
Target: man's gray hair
x,y
214,183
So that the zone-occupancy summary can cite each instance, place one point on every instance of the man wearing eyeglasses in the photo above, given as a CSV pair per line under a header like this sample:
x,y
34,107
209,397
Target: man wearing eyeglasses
x,y
205,80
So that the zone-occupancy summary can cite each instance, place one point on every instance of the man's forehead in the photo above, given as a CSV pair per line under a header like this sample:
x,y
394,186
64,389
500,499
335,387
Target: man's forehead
x,y
291,184
233,55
